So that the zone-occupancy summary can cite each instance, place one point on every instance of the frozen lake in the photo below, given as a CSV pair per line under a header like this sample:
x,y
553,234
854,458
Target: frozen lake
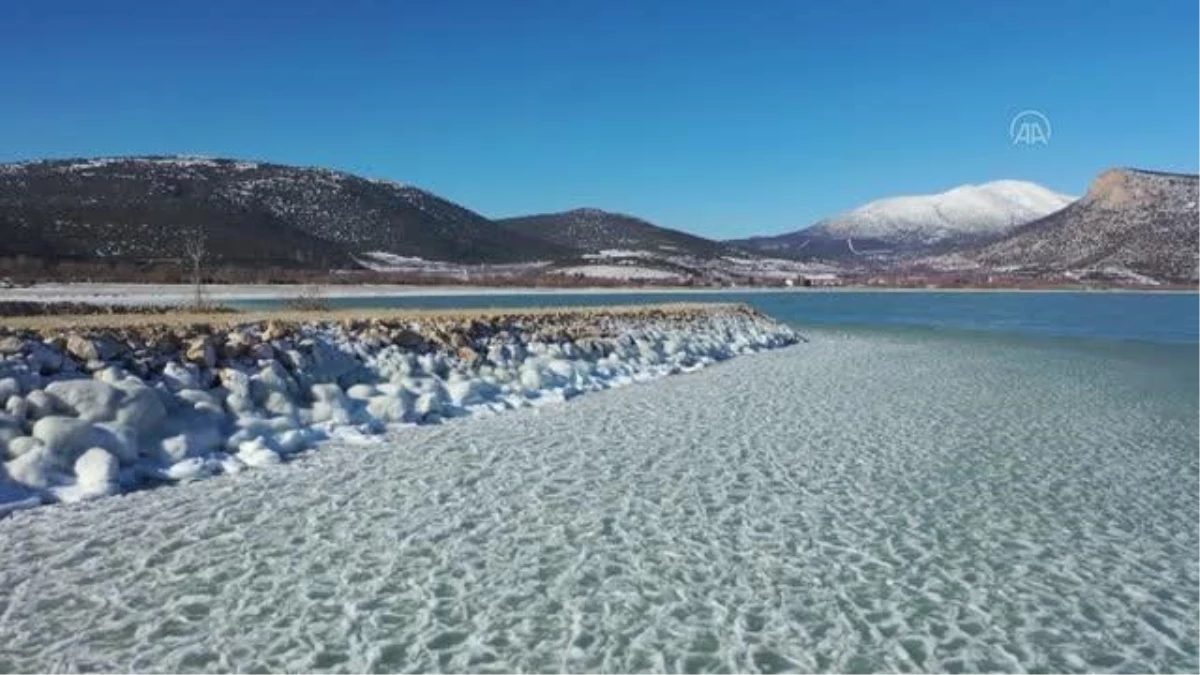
x,y
883,499
1150,317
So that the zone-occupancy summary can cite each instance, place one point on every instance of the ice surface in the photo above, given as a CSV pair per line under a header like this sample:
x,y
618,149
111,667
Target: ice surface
x,y
851,504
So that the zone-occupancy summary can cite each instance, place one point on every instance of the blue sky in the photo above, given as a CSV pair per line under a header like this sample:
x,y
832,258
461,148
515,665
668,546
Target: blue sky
x,y
706,116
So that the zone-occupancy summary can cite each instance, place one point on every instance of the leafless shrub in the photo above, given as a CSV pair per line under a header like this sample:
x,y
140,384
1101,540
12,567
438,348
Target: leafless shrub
x,y
195,247
311,299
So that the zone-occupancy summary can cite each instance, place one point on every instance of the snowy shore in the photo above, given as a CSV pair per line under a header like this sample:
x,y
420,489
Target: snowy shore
x,y
109,406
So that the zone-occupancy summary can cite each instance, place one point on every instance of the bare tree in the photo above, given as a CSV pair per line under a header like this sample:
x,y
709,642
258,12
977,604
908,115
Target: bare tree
x,y
195,247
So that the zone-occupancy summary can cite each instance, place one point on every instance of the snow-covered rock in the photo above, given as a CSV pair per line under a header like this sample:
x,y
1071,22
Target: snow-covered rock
x,y
96,470
9,387
257,453
63,437
91,400
83,433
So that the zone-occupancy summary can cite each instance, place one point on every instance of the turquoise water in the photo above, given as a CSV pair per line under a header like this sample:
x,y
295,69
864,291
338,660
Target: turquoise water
x,y
1163,318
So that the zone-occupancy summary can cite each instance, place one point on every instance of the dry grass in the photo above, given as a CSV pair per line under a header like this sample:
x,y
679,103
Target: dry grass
x,y
311,299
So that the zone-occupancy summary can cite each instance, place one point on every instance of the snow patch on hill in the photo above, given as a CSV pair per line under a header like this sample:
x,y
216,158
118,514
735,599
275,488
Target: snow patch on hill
x,y
623,272
382,261
610,253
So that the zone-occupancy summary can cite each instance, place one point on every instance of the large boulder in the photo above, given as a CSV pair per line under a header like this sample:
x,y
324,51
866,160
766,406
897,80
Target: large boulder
x,y
17,407
178,376
95,476
496,354
239,404
142,410
11,344
10,429
44,358
235,381
408,339
328,393
237,344
257,453
199,398
362,392
23,444
89,349
271,378
330,404
279,403
119,440
427,405
464,391
201,351
91,400
196,442
97,470
64,437
262,351
391,408
292,441
9,386
36,468
531,378
330,364
274,331
39,404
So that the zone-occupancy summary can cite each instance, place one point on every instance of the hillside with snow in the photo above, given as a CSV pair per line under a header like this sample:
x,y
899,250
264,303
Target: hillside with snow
x,y
591,231
919,223
622,248
248,213
1132,224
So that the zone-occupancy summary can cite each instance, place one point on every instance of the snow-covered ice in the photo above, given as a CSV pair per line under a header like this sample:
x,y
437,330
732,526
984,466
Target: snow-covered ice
x,y
851,504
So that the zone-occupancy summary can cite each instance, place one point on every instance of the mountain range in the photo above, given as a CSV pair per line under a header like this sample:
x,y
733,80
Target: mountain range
x,y
252,214
249,213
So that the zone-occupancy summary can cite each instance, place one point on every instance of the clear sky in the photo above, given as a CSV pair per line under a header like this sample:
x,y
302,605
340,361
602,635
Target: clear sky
x,y
718,118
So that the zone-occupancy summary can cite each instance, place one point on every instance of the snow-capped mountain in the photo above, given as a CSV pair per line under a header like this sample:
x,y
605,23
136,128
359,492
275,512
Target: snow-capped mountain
x,y
919,223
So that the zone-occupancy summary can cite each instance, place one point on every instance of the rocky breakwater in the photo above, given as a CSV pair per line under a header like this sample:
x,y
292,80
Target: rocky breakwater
x,y
93,411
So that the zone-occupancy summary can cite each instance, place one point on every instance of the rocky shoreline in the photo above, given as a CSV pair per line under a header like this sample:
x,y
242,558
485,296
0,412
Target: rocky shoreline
x,y
108,404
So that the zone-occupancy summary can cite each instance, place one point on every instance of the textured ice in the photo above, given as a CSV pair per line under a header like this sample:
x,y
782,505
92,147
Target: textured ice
x,y
852,504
